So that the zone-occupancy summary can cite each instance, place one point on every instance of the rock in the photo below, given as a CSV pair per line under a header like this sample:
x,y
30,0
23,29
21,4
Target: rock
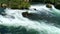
x,y
26,14
3,5
34,9
49,5
57,6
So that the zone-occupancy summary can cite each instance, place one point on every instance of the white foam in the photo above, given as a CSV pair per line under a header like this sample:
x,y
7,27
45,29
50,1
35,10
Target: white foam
x,y
19,20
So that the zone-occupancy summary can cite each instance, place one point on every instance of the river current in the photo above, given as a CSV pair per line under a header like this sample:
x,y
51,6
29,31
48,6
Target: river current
x,y
43,21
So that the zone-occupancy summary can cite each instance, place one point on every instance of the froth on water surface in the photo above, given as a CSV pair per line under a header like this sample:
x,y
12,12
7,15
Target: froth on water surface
x,y
43,20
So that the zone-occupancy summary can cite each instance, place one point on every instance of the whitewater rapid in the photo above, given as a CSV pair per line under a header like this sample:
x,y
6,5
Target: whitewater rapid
x,y
15,18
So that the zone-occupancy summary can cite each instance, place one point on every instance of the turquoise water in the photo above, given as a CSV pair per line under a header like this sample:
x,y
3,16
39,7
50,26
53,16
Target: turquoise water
x,y
42,21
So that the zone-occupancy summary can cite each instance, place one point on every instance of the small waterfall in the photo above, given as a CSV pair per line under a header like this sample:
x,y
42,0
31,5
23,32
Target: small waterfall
x,y
44,19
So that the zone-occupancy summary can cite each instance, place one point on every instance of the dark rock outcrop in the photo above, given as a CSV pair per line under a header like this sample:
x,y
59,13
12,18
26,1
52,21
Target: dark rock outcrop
x,y
3,5
26,14
49,5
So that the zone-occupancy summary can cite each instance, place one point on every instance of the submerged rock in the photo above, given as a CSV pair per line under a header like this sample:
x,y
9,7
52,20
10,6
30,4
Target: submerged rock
x,y
49,5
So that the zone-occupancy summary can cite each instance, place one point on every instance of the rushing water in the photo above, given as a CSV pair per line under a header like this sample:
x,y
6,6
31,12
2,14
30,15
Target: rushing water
x,y
43,21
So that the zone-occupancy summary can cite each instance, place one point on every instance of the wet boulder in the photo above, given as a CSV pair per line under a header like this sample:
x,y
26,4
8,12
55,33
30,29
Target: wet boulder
x,y
49,5
2,8
3,5
34,8
26,14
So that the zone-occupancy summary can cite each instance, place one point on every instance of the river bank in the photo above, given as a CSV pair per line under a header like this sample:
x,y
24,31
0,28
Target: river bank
x,y
25,4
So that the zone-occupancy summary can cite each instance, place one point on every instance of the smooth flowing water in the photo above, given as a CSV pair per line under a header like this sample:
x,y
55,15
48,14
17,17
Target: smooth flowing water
x,y
43,20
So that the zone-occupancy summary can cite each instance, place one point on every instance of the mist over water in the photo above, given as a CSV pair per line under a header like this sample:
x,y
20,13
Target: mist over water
x,y
43,20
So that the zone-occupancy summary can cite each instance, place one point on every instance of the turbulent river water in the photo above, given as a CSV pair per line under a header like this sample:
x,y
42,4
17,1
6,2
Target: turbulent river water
x,y
43,21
